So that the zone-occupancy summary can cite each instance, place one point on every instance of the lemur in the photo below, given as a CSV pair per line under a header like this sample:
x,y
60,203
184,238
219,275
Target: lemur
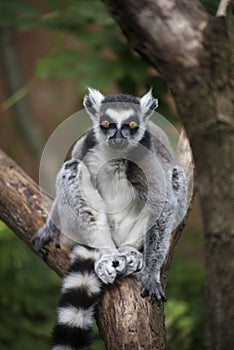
x,y
118,199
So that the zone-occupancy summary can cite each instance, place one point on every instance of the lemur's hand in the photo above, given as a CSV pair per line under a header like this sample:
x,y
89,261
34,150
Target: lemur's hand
x,y
47,233
109,266
134,261
151,287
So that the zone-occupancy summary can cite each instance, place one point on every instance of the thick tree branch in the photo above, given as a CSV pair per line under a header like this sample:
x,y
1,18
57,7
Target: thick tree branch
x,y
168,33
222,7
21,209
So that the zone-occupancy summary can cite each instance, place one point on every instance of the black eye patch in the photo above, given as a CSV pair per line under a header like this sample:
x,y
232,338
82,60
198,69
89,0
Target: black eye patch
x,y
106,119
134,119
126,124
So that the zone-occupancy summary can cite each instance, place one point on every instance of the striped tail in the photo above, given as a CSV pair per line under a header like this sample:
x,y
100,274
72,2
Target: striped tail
x,y
80,292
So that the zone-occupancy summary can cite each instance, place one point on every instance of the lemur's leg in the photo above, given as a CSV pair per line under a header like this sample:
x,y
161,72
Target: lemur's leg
x,y
51,230
85,225
157,239
156,246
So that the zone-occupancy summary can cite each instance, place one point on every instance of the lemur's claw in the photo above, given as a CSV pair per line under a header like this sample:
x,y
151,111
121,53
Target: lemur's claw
x,y
39,246
44,254
56,243
152,288
160,297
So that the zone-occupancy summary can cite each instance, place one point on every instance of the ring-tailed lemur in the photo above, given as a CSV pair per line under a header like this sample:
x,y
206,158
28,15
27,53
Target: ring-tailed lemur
x,y
118,199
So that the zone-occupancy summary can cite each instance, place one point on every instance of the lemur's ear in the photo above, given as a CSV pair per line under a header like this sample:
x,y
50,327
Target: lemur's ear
x,y
92,102
148,104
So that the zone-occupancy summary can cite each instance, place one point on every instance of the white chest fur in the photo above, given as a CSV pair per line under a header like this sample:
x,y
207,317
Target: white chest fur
x,y
126,215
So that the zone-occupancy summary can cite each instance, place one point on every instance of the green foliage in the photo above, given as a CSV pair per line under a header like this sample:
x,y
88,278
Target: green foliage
x,y
101,55
210,5
185,307
28,296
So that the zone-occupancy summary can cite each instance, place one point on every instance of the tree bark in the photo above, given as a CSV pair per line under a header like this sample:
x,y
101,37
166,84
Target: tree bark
x,y
193,51
125,319
22,210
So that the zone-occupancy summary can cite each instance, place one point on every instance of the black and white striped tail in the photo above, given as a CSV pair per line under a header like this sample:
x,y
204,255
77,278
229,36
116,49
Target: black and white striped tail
x,y
80,292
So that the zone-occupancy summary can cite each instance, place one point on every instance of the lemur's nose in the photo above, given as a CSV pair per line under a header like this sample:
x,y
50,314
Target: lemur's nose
x,y
118,136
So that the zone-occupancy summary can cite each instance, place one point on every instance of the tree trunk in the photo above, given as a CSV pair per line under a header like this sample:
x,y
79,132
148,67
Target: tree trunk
x,y
125,319
193,51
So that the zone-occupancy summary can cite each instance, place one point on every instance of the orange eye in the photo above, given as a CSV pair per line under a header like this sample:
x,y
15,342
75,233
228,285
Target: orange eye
x,y
105,123
133,125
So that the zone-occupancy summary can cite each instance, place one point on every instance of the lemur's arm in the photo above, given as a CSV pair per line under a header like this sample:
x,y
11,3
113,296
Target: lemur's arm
x,y
157,239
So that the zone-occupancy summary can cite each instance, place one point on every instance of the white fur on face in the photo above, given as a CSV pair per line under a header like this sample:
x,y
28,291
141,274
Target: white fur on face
x,y
120,115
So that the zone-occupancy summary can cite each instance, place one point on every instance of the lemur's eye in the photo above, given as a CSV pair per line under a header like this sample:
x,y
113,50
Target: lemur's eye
x,y
105,123
133,125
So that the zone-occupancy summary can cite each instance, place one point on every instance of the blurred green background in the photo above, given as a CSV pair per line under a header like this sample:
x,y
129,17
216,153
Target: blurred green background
x,y
50,52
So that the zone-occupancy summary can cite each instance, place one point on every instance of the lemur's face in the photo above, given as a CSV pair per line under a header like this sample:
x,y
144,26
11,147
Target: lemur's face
x,y
119,119
120,126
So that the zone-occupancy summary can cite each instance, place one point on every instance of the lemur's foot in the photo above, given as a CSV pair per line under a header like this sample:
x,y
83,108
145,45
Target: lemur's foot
x,y
151,287
134,262
47,233
109,266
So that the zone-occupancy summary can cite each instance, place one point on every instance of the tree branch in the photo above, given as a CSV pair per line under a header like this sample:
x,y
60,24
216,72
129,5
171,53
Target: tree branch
x,y
21,209
168,33
222,8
